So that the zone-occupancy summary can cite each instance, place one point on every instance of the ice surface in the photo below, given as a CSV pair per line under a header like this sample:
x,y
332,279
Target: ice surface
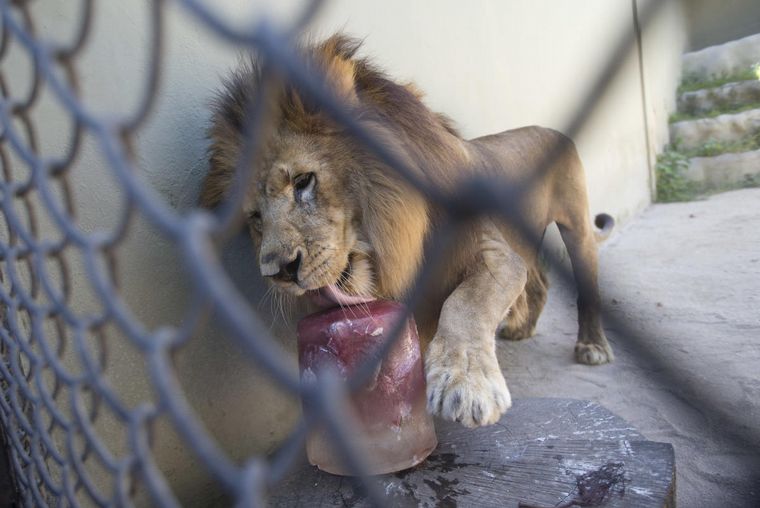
x,y
394,431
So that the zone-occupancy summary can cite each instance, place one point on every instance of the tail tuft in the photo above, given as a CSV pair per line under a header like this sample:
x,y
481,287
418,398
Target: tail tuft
x,y
604,224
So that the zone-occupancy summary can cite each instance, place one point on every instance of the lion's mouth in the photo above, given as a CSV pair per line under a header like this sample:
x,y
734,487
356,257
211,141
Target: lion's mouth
x,y
333,295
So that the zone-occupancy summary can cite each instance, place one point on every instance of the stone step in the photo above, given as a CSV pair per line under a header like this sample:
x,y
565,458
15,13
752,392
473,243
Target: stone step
x,y
730,95
723,59
726,171
690,134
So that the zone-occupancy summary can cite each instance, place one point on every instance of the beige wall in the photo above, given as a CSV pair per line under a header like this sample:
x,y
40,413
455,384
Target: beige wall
x,y
662,43
491,65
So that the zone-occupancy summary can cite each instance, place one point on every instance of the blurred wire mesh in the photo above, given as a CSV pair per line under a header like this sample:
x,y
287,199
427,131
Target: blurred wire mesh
x,y
48,347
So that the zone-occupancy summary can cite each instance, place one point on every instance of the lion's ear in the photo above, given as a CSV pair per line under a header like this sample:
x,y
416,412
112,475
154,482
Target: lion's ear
x,y
340,76
335,56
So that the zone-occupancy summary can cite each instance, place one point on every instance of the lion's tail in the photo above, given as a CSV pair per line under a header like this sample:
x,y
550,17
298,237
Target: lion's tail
x,y
604,224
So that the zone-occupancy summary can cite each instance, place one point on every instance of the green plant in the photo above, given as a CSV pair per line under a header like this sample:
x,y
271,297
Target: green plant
x,y
694,82
751,181
673,163
680,116
713,147
672,184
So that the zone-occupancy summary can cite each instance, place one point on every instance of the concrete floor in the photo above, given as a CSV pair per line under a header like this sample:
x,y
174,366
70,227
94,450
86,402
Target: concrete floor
x,y
686,277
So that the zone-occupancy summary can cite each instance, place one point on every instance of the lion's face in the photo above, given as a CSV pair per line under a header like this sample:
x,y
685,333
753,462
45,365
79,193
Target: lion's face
x,y
305,222
328,218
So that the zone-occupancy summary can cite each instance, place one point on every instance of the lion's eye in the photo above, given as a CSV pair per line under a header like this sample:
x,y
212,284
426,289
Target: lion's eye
x,y
303,186
254,218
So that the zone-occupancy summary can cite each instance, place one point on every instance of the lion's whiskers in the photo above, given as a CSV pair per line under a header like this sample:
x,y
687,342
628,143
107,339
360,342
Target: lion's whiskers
x,y
282,297
280,304
268,295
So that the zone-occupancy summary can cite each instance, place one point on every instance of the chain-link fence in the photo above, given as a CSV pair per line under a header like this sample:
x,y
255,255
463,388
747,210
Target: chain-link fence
x,y
49,447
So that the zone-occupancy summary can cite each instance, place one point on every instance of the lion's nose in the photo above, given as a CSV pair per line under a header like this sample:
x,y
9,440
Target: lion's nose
x,y
288,268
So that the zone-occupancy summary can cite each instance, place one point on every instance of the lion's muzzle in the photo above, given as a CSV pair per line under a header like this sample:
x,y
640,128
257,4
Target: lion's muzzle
x,y
281,268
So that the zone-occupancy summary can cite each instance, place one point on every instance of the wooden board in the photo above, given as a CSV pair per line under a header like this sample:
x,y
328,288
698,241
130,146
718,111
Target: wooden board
x,y
543,453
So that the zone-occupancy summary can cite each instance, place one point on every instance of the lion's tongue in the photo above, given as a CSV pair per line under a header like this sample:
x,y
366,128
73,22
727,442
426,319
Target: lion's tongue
x,y
332,294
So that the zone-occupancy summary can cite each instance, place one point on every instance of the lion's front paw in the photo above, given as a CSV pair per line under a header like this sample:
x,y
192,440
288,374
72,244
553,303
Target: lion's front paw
x,y
465,386
592,353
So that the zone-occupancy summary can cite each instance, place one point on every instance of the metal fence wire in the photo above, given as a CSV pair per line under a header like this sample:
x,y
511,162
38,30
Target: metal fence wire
x,y
51,439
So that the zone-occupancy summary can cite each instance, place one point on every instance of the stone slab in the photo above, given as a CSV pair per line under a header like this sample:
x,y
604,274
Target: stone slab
x,y
541,453
730,95
722,59
729,170
694,133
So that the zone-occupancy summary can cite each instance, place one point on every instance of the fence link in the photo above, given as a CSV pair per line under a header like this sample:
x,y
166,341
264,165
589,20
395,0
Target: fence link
x,y
51,439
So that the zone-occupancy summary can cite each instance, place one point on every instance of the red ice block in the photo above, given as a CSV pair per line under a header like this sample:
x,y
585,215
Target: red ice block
x,y
394,431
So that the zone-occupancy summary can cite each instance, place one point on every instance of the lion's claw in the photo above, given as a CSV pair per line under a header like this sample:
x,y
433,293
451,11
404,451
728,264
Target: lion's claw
x,y
472,393
591,353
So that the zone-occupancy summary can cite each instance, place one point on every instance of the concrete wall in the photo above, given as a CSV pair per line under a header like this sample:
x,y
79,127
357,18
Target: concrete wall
x,y
490,65
711,22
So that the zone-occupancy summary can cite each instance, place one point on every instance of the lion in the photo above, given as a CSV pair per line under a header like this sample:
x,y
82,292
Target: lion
x,y
333,224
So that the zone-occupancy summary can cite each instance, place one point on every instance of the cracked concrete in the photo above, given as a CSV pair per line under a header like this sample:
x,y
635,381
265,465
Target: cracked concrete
x,y
687,277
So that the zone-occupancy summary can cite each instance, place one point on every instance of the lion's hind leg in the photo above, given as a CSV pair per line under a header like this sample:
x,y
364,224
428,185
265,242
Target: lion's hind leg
x,y
523,315
592,347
